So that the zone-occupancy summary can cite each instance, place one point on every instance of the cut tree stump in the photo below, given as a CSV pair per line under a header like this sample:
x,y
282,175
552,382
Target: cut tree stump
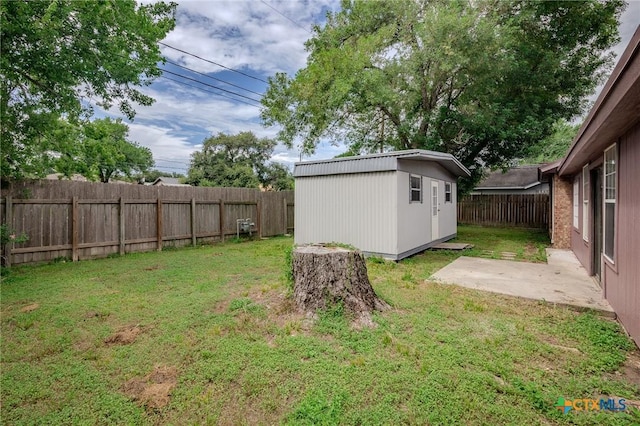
x,y
324,276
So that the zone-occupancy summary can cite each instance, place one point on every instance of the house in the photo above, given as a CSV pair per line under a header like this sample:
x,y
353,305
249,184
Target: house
x,y
516,180
595,191
168,181
391,205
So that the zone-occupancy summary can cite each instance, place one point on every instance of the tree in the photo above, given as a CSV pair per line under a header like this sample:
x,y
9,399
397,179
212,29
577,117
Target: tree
x,y
554,146
102,152
240,160
482,80
59,57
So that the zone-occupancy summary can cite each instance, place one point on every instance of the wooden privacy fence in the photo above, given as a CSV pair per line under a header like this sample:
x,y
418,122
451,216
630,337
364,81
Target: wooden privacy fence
x,y
524,210
81,220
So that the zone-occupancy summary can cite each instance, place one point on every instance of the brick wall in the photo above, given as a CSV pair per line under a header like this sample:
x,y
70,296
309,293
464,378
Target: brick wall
x,y
562,212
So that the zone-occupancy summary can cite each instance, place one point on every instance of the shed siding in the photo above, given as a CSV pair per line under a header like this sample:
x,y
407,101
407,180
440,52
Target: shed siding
x,y
622,284
414,219
448,220
356,209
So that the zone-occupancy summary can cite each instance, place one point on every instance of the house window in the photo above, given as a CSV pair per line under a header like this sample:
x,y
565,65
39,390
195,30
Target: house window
x,y
585,202
447,192
576,195
610,184
415,183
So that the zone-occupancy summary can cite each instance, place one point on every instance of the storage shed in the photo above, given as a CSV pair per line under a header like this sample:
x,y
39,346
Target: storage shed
x,y
391,205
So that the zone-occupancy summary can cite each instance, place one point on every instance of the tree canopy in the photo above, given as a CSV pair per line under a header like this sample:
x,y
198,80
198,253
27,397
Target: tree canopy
x,y
240,160
60,57
483,80
100,150
554,146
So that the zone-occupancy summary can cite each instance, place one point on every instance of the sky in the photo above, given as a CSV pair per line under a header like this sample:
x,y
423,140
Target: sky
x,y
233,47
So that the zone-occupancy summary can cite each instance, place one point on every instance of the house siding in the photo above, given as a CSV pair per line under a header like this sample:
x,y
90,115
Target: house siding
x,y
356,209
622,285
414,219
579,246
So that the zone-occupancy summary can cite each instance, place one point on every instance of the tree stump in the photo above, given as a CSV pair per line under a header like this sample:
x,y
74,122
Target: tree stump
x,y
324,276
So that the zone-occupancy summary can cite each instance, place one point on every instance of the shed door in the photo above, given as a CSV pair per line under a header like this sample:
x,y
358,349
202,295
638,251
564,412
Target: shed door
x,y
435,232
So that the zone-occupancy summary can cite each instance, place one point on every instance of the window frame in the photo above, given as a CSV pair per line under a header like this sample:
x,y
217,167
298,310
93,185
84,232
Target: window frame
x,y
576,195
417,189
585,202
448,196
606,199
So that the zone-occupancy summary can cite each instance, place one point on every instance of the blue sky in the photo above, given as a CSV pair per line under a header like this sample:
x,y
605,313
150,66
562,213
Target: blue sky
x,y
255,37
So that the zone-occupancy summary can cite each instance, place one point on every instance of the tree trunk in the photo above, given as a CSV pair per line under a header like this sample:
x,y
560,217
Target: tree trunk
x,y
324,276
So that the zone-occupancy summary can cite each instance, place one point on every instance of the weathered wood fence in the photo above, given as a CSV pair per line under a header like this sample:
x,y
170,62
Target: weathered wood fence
x,y
523,210
83,220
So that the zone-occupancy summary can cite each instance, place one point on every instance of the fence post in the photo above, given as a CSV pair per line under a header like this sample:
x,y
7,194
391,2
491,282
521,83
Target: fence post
x,y
193,222
74,229
9,218
121,235
221,214
159,224
285,214
258,217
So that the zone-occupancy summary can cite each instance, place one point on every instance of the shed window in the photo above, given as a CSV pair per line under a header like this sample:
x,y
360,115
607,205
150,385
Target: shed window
x,y
610,185
576,197
585,203
415,195
447,192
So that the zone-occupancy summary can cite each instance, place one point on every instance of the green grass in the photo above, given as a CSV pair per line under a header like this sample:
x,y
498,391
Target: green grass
x,y
218,317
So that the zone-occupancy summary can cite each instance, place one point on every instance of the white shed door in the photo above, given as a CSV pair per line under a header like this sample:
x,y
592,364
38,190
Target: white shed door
x,y
435,232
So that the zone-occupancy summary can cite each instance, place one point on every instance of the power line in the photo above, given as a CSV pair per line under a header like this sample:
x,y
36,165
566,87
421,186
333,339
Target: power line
x,y
211,85
209,91
285,16
213,78
212,62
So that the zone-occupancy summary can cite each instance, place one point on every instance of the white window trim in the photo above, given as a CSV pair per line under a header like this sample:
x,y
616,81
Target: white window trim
x,y
585,203
609,201
412,189
450,192
576,194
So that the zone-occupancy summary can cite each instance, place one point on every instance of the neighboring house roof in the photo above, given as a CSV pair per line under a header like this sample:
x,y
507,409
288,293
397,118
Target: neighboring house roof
x,y
377,163
616,110
520,177
59,176
168,181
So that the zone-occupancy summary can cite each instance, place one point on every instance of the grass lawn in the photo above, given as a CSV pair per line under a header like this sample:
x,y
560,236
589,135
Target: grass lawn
x,y
205,335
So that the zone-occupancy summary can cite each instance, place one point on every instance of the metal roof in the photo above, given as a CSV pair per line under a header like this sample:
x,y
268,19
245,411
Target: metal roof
x,y
377,163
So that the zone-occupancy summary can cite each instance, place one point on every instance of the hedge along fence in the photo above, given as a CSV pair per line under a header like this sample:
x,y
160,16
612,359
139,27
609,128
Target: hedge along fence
x,y
83,220
522,210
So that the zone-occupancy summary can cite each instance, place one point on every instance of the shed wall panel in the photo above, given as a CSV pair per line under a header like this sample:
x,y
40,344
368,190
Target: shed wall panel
x,y
426,168
414,219
356,209
448,212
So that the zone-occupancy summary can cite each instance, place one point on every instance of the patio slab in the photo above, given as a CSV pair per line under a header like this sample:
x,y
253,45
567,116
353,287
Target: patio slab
x,y
562,280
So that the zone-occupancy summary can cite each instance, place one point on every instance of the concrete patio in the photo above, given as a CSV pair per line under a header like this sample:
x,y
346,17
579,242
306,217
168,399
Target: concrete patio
x,y
562,280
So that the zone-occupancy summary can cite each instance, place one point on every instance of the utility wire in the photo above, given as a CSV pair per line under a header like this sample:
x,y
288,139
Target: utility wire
x,y
210,85
285,16
212,62
209,91
213,78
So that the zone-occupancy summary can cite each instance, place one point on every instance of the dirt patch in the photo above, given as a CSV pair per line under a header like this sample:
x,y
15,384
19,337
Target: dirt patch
x,y
154,390
124,336
153,268
630,370
30,308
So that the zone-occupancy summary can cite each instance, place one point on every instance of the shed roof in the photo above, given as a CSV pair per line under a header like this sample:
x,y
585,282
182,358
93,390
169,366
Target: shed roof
x,y
520,177
377,163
